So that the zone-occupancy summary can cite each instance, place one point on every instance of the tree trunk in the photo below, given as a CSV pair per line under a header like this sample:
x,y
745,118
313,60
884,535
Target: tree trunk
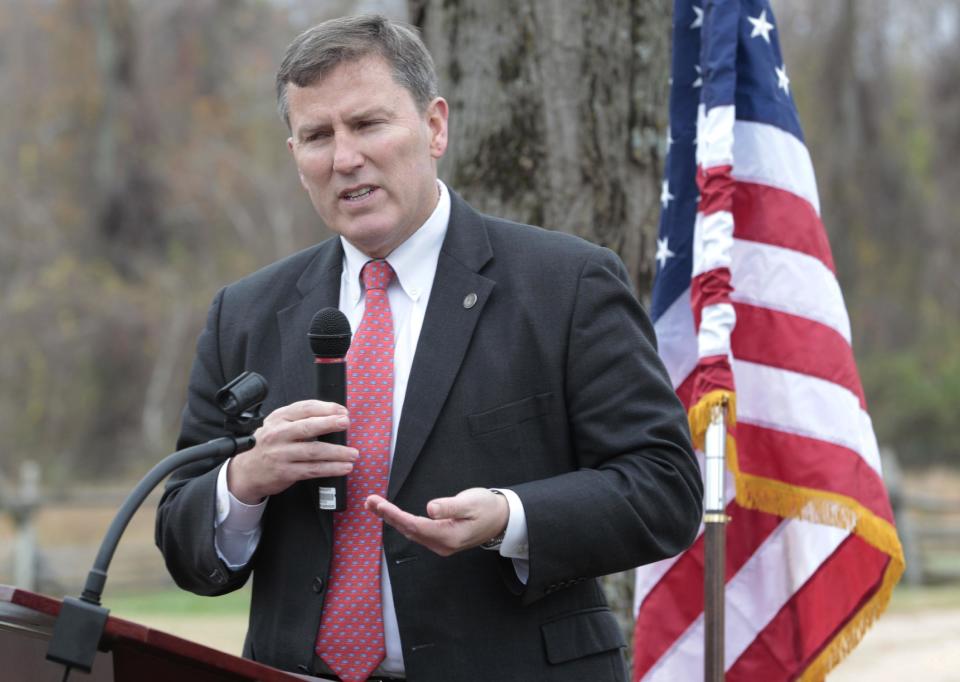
x,y
557,118
557,113
127,194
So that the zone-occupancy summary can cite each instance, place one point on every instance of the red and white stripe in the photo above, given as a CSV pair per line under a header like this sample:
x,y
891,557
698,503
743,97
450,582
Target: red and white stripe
x,y
801,419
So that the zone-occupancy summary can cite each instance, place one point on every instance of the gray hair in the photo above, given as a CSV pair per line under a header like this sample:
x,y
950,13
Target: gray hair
x,y
316,51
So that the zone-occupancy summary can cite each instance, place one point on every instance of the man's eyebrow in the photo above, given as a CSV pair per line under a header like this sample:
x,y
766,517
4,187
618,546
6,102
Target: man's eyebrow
x,y
372,112
378,111
308,128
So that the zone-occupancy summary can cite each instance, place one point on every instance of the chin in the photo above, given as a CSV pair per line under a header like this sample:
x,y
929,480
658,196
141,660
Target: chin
x,y
371,240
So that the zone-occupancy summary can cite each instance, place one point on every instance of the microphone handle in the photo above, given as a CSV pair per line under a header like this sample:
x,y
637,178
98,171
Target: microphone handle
x,y
332,388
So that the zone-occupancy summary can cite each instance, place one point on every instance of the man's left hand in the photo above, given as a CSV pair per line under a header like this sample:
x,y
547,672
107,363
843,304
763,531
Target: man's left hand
x,y
452,524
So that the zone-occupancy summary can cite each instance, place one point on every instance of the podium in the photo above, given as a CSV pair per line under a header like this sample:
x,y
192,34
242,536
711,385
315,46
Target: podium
x,y
130,652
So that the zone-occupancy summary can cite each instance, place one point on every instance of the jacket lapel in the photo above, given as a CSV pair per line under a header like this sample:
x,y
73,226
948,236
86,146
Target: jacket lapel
x,y
319,286
451,317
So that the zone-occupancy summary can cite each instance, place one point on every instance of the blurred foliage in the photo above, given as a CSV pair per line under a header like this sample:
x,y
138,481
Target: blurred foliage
x,y
142,166
874,84
914,393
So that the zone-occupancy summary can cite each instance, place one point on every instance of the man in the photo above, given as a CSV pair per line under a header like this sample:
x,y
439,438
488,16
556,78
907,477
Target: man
x,y
532,438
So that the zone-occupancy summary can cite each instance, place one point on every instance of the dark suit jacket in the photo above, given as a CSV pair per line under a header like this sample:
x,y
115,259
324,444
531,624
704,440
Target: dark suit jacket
x,y
550,385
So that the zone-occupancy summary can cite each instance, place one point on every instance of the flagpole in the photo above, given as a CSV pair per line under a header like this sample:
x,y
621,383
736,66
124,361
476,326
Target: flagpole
x,y
715,526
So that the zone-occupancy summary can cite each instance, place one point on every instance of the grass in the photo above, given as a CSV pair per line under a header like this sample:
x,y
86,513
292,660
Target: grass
x,y
176,602
221,622
930,598
217,622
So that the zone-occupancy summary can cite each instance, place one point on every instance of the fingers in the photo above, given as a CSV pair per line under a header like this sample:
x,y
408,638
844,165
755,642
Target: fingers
x,y
311,427
317,469
287,451
447,508
316,451
454,523
302,421
467,504
407,524
259,473
303,430
373,502
308,419
302,409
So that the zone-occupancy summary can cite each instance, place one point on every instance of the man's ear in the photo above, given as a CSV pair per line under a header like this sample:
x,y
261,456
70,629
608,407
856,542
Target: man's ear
x,y
437,113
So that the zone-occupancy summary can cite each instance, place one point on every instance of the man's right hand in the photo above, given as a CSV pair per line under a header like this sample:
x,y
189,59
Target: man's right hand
x,y
287,451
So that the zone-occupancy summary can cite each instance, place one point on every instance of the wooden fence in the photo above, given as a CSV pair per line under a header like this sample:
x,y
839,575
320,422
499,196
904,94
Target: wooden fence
x,y
48,539
928,523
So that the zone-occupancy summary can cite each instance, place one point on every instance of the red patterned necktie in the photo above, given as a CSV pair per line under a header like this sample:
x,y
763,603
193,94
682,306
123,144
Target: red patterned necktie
x,y
350,640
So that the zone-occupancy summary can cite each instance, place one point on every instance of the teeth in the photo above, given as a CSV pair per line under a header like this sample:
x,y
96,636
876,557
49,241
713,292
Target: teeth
x,y
359,193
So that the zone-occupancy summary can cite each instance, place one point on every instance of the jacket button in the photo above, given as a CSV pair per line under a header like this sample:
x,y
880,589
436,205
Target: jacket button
x,y
318,584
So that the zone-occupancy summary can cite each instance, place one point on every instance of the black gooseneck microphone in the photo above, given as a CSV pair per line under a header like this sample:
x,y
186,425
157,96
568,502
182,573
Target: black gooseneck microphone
x,y
81,621
329,336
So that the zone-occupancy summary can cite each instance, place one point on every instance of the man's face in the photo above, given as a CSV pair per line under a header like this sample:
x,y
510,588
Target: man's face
x,y
367,155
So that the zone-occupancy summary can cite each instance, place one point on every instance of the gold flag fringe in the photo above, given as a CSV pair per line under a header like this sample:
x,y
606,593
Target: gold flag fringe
x,y
699,414
847,639
817,506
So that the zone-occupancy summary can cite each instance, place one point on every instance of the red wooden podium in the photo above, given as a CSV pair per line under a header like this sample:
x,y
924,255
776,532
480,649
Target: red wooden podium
x,y
133,652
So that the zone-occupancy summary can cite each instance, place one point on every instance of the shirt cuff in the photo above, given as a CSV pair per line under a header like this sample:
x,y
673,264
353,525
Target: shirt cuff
x,y
514,545
232,514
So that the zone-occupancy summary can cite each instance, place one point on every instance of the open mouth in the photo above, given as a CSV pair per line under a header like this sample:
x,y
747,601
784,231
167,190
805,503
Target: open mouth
x,y
358,194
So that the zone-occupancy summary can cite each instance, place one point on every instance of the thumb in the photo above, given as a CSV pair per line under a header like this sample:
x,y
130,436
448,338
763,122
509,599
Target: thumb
x,y
445,508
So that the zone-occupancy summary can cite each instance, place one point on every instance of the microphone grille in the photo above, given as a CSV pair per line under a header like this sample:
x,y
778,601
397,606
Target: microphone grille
x,y
329,334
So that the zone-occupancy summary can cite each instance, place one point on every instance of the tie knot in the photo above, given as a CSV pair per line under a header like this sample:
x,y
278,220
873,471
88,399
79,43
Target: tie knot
x,y
376,274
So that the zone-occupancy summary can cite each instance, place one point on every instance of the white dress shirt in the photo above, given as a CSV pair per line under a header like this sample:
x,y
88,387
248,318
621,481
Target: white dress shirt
x,y
415,264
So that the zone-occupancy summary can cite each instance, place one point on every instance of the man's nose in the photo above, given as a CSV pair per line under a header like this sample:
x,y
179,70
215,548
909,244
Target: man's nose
x,y
347,155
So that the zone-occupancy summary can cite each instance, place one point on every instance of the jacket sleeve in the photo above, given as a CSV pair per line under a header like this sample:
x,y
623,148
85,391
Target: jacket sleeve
x,y
636,496
187,509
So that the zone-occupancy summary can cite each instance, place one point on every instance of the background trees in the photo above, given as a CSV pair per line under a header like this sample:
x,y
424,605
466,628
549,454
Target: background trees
x,y
142,166
874,83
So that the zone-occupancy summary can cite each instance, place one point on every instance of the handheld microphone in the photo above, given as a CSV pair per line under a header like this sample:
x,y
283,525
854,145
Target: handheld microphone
x,y
329,336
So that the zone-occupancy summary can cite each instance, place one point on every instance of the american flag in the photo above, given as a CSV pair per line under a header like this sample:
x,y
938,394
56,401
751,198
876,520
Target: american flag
x,y
746,303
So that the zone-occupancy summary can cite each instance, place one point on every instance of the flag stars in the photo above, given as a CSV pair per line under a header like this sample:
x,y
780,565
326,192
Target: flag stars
x,y
761,27
698,18
699,81
782,81
665,196
663,252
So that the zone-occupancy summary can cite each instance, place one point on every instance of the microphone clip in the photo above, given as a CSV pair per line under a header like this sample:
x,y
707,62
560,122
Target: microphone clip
x,y
242,402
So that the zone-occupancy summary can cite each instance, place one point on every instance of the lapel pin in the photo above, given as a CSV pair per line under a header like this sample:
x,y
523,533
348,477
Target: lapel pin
x,y
470,300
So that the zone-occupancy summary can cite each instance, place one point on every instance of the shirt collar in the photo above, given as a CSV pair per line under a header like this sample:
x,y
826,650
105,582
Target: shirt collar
x,y
407,260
